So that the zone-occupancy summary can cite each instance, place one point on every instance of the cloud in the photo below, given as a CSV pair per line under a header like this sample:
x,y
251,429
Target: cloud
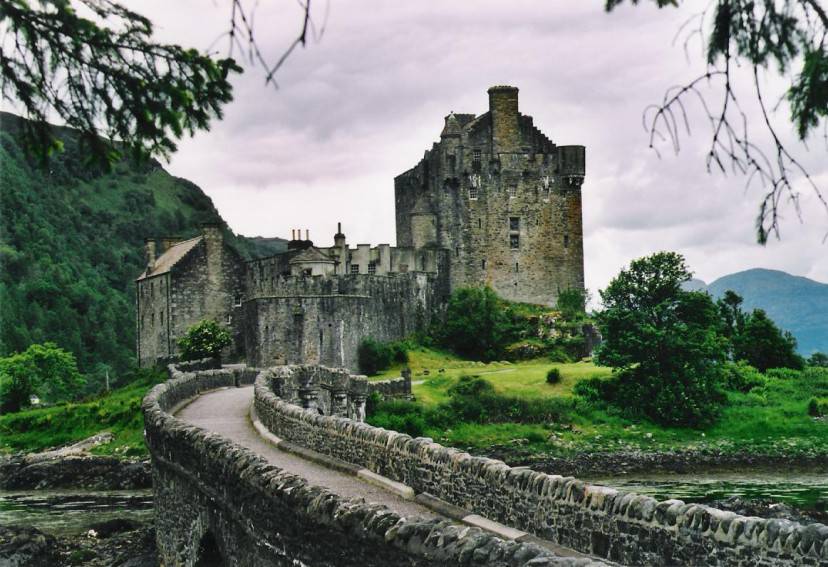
x,y
362,105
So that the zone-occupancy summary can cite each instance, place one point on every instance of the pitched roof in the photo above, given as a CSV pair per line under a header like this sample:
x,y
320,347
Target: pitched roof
x,y
312,254
171,257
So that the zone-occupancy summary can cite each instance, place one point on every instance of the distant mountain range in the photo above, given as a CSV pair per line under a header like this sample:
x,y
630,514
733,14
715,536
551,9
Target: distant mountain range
x,y
796,304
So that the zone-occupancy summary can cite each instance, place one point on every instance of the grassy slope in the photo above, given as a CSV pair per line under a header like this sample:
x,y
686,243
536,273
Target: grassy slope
x,y
119,413
771,419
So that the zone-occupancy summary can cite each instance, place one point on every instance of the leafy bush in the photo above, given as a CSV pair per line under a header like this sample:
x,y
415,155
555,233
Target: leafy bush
x,y
558,354
783,373
475,324
205,339
553,376
374,357
572,303
741,377
814,409
45,371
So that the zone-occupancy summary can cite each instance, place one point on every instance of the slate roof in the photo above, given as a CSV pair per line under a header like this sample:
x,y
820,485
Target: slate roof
x,y
171,257
312,254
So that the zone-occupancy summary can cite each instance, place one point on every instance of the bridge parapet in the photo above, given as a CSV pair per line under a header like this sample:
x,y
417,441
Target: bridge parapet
x,y
625,527
213,494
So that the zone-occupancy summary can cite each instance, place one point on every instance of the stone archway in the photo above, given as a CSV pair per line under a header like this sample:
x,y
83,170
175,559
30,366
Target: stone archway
x,y
209,554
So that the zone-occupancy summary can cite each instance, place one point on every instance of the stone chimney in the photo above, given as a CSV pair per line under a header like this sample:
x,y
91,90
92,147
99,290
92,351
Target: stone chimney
x,y
149,252
168,242
503,106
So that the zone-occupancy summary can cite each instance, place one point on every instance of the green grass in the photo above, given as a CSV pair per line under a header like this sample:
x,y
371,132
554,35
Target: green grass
x,y
119,413
770,419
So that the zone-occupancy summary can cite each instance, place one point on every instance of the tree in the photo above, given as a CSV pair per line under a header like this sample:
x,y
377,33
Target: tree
x,y
818,359
205,339
753,35
572,303
107,77
42,370
663,343
763,345
475,323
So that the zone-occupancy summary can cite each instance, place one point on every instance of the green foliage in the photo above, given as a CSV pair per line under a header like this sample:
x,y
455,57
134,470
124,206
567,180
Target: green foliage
x,y
118,412
741,377
814,409
205,339
572,303
108,74
373,356
662,342
818,359
71,246
45,371
553,376
476,325
763,345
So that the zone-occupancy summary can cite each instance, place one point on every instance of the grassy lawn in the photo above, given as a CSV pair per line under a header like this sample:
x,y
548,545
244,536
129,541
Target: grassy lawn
x,y
43,428
770,419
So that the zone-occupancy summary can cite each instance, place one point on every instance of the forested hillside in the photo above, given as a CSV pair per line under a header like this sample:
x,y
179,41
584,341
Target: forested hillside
x,y
71,245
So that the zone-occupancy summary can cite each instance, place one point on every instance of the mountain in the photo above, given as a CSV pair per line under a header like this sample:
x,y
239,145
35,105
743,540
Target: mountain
x,y
795,303
71,245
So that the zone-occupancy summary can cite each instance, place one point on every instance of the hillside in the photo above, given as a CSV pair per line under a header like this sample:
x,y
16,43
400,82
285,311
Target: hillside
x,y
796,304
71,244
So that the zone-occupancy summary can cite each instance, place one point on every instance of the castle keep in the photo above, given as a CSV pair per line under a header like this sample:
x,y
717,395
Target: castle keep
x,y
494,202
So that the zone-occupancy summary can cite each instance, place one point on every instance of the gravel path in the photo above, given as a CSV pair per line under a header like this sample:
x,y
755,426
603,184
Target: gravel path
x,y
226,411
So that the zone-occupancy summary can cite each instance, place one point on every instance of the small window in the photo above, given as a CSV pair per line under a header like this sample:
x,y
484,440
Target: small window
x,y
483,264
372,268
237,300
456,250
161,317
566,241
479,223
473,193
512,191
452,163
514,223
354,269
152,288
476,154
514,241
307,272
517,268
152,319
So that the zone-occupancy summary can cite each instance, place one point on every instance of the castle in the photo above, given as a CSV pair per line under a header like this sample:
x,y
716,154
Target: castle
x,y
494,202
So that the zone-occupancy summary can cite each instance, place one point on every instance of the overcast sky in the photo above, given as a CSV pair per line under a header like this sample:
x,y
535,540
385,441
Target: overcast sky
x,y
363,103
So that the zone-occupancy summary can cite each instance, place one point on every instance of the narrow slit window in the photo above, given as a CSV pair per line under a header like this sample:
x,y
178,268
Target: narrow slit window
x,y
517,268
566,241
512,191
483,264
479,223
514,241
514,223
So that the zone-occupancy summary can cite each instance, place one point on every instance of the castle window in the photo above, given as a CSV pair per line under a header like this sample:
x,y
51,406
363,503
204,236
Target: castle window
x,y
161,317
476,154
479,223
517,267
354,269
566,241
514,241
473,193
372,268
483,264
512,191
237,301
514,223
152,319
456,250
452,163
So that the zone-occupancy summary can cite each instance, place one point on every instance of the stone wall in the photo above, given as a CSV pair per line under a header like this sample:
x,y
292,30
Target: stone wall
x,y
624,527
393,387
211,493
505,200
322,320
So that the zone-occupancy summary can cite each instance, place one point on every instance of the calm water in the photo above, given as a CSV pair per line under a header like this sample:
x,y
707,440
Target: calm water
x,y
804,490
68,512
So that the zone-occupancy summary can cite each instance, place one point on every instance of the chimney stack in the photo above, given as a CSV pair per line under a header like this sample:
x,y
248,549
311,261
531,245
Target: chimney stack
x,y
149,250
503,107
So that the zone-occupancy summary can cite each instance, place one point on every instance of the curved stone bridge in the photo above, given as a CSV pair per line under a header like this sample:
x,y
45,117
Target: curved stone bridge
x,y
294,486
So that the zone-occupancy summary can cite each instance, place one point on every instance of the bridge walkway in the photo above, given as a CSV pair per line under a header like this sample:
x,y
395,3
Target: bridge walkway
x,y
227,412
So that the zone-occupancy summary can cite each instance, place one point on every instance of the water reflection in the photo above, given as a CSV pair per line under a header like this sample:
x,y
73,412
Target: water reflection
x,y
69,512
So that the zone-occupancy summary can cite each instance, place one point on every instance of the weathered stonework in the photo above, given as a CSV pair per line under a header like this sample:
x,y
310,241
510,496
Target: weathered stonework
x,y
502,199
212,493
625,527
494,202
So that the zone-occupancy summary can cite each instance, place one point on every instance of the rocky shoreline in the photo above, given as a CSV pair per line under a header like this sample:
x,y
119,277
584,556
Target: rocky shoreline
x,y
31,472
116,543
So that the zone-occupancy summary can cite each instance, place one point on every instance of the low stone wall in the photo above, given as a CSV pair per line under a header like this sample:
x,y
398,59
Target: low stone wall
x,y
624,527
213,494
394,387
195,365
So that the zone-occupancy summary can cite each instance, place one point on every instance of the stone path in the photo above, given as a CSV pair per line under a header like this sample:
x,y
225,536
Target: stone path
x,y
227,411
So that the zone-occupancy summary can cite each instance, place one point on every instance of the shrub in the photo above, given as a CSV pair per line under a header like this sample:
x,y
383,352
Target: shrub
x,y
813,408
818,359
374,356
558,354
572,303
553,376
205,339
525,350
741,377
45,371
476,324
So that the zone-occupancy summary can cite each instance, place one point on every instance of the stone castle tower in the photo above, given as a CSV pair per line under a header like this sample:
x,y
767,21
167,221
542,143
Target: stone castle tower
x,y
502,199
